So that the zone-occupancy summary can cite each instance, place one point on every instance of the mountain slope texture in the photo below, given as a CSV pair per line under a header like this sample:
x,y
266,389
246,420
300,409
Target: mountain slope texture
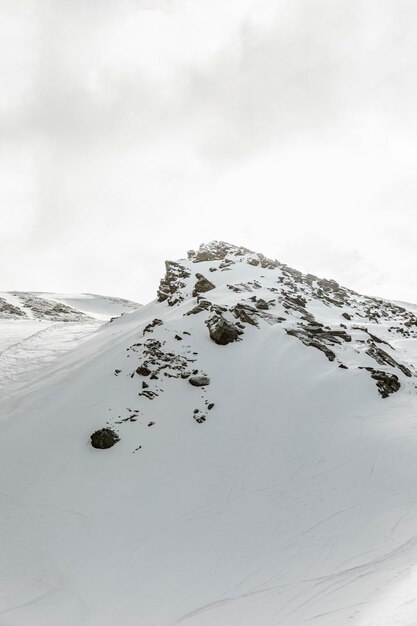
x,y
262,461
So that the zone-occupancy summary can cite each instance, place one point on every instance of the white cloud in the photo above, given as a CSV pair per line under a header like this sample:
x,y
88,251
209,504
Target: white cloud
x,y
133,131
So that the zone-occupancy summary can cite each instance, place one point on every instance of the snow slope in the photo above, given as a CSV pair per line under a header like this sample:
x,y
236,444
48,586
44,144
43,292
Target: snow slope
x,y
35,329
291,501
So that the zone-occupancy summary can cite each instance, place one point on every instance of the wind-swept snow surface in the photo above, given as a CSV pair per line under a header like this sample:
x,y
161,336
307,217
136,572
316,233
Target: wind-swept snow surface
x,y
279,488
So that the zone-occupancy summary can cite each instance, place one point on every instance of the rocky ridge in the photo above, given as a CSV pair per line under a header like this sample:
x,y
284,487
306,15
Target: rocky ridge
x,y
222,293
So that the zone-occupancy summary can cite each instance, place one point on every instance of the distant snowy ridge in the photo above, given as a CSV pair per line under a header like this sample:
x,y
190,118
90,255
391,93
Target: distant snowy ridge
x,y
37,328
61,307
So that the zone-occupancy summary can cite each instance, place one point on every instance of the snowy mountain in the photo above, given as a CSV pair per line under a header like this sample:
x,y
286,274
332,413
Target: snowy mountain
x,y
262,461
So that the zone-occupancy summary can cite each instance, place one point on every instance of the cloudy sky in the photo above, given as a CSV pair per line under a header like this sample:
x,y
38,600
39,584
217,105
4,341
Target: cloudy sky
x,y
133,130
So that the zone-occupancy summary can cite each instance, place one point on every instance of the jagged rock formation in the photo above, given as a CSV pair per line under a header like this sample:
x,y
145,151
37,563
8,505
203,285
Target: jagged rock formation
x,y
171,285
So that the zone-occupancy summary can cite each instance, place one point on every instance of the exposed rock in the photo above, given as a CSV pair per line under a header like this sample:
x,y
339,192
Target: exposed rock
x,y
262,305
267,263
383,358
215,251
172,283
245,314
386,383
221,331
104,438
199,381
202,285
149,328
9,310
143,370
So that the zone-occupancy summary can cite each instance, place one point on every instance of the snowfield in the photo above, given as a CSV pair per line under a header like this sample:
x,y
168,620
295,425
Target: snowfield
x,y
283,492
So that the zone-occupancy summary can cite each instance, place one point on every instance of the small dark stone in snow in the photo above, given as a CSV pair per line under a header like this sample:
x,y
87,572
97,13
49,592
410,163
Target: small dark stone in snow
x,y
144,385
346,316
199,381
178,338
142,370
104,438
210,406
117,372
343,367
151,423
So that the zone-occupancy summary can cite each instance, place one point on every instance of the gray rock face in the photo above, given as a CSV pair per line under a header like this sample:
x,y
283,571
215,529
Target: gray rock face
x,y
104,438
262,305
199,381
202,285
172,283
221,331
215,251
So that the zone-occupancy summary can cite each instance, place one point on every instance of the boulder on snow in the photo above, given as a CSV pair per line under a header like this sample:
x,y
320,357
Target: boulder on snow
x,y
104,438
202,285
262,305
143,370
221,331
199,381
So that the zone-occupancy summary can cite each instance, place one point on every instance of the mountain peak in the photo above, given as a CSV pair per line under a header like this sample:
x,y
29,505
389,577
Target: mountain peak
x,y
235,287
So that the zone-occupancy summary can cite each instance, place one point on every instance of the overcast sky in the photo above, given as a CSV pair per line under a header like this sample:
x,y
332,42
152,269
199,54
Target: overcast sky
x,y
133,130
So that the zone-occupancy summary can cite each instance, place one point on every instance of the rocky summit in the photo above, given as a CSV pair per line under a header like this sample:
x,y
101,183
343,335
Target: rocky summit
x,y
241,450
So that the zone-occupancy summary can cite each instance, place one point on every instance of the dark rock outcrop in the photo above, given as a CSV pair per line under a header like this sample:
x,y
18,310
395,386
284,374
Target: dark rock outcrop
x,y
202,285
172,283
216,251
104,438
386,383
221,331
199,381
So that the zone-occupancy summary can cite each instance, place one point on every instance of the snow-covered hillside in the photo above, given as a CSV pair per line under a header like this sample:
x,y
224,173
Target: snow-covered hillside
x,y
37,328
266,468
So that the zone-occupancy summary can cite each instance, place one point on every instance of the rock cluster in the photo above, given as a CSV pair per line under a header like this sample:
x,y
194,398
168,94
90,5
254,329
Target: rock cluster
x,y
172,283
10,310
386,383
